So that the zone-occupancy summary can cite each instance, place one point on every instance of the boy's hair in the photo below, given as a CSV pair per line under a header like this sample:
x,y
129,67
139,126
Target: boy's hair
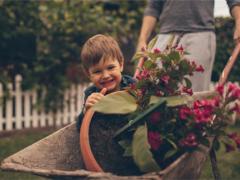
x,y
98,47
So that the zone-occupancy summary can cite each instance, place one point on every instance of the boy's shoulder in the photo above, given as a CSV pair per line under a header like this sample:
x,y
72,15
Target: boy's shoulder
x,y
91,89
126,80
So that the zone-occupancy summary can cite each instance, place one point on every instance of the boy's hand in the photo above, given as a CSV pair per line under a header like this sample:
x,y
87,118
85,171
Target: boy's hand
x,y
94,98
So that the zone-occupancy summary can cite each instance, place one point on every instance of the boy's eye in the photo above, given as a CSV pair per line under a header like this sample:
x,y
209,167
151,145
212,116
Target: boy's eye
x,y
111,67
96,72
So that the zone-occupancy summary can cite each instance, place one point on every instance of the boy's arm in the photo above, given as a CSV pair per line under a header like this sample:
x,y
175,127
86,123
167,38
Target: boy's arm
x,y
90,100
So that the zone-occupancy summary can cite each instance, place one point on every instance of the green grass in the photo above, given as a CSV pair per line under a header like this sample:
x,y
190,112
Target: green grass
x,y
228,163
15,142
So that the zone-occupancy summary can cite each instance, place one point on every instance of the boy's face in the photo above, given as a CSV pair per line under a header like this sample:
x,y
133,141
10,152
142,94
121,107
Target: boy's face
x,y
106,74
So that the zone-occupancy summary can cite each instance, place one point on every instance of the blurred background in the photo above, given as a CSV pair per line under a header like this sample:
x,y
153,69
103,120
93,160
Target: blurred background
x,y
41,80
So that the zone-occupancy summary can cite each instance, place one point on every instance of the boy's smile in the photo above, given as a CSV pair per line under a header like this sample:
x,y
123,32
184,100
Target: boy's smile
x,y
106,74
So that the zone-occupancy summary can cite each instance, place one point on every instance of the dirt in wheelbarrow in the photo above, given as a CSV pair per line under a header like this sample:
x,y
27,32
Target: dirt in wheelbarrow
x,y
107,151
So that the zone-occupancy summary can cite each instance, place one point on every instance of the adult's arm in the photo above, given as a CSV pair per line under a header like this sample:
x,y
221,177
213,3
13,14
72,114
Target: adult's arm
x,y
234,6
148,24
235,11
151,15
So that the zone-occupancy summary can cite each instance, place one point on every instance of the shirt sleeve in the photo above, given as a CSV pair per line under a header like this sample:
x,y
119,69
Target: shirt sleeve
x,y
154,8
232,3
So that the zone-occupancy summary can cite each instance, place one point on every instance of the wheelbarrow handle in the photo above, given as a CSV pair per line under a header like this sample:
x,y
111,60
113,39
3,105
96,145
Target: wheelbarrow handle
x,y
86,152
224,76
139,66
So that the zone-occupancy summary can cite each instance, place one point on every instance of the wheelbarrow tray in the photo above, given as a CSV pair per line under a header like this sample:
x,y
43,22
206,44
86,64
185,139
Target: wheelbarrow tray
x,y
58,155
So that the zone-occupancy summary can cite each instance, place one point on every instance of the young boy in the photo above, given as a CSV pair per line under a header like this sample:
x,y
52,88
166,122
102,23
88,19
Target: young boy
x,y
103,63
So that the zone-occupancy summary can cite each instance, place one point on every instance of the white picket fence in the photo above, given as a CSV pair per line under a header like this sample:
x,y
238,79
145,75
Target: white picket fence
x,y
19,112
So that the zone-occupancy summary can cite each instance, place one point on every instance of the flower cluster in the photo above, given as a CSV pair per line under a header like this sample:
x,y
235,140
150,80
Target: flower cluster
x,y
176,129
164,73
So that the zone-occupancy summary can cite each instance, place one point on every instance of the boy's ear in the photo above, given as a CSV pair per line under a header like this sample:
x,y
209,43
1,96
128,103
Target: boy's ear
x,y
121,65
85,71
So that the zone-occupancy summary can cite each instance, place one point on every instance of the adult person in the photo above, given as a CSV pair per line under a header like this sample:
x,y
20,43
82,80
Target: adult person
x,y
192,23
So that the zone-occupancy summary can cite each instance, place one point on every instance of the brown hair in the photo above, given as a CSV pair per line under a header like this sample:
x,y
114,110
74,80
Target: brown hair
x,y
98,47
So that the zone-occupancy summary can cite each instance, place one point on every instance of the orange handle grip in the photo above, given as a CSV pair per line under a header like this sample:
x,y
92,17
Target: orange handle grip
x,y
88,157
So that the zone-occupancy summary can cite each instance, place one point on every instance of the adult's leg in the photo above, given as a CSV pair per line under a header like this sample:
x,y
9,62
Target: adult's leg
x,y
201,47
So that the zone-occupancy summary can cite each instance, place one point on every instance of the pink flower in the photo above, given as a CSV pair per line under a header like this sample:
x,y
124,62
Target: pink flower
x,y
220,89
200,69
236,138
235,93
132,86
156,50
155,117
180,48
154,139
232,135
159,93
184,112
236,108
139,93
165,79
206,104
237,141
229,147
189,141
187,90
194,65
145,74
202,115
231,87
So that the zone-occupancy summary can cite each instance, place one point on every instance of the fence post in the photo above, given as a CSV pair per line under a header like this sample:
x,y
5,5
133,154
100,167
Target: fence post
x,y
18,104
13,115
9,110
34,110
72,94
1,107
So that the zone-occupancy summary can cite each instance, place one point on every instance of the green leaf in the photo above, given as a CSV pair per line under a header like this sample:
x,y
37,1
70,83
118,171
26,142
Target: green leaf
x,y
140,117
127,146
174,55
170,153
205,142
216,144
141,151
172,101
120,102
137,56
172,143
152,43
149,64
188,83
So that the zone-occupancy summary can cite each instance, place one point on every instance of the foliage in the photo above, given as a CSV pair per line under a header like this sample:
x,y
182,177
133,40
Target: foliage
x,y
42,39
225,44
173,130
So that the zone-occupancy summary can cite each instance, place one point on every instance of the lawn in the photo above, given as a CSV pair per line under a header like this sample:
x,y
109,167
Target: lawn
x,y
229,163
14,142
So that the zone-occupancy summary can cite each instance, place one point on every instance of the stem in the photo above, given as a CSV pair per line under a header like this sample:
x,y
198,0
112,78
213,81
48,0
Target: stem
x,y
213,159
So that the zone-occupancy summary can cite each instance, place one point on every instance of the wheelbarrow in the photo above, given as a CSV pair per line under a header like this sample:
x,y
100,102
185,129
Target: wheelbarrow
x,y
60,156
